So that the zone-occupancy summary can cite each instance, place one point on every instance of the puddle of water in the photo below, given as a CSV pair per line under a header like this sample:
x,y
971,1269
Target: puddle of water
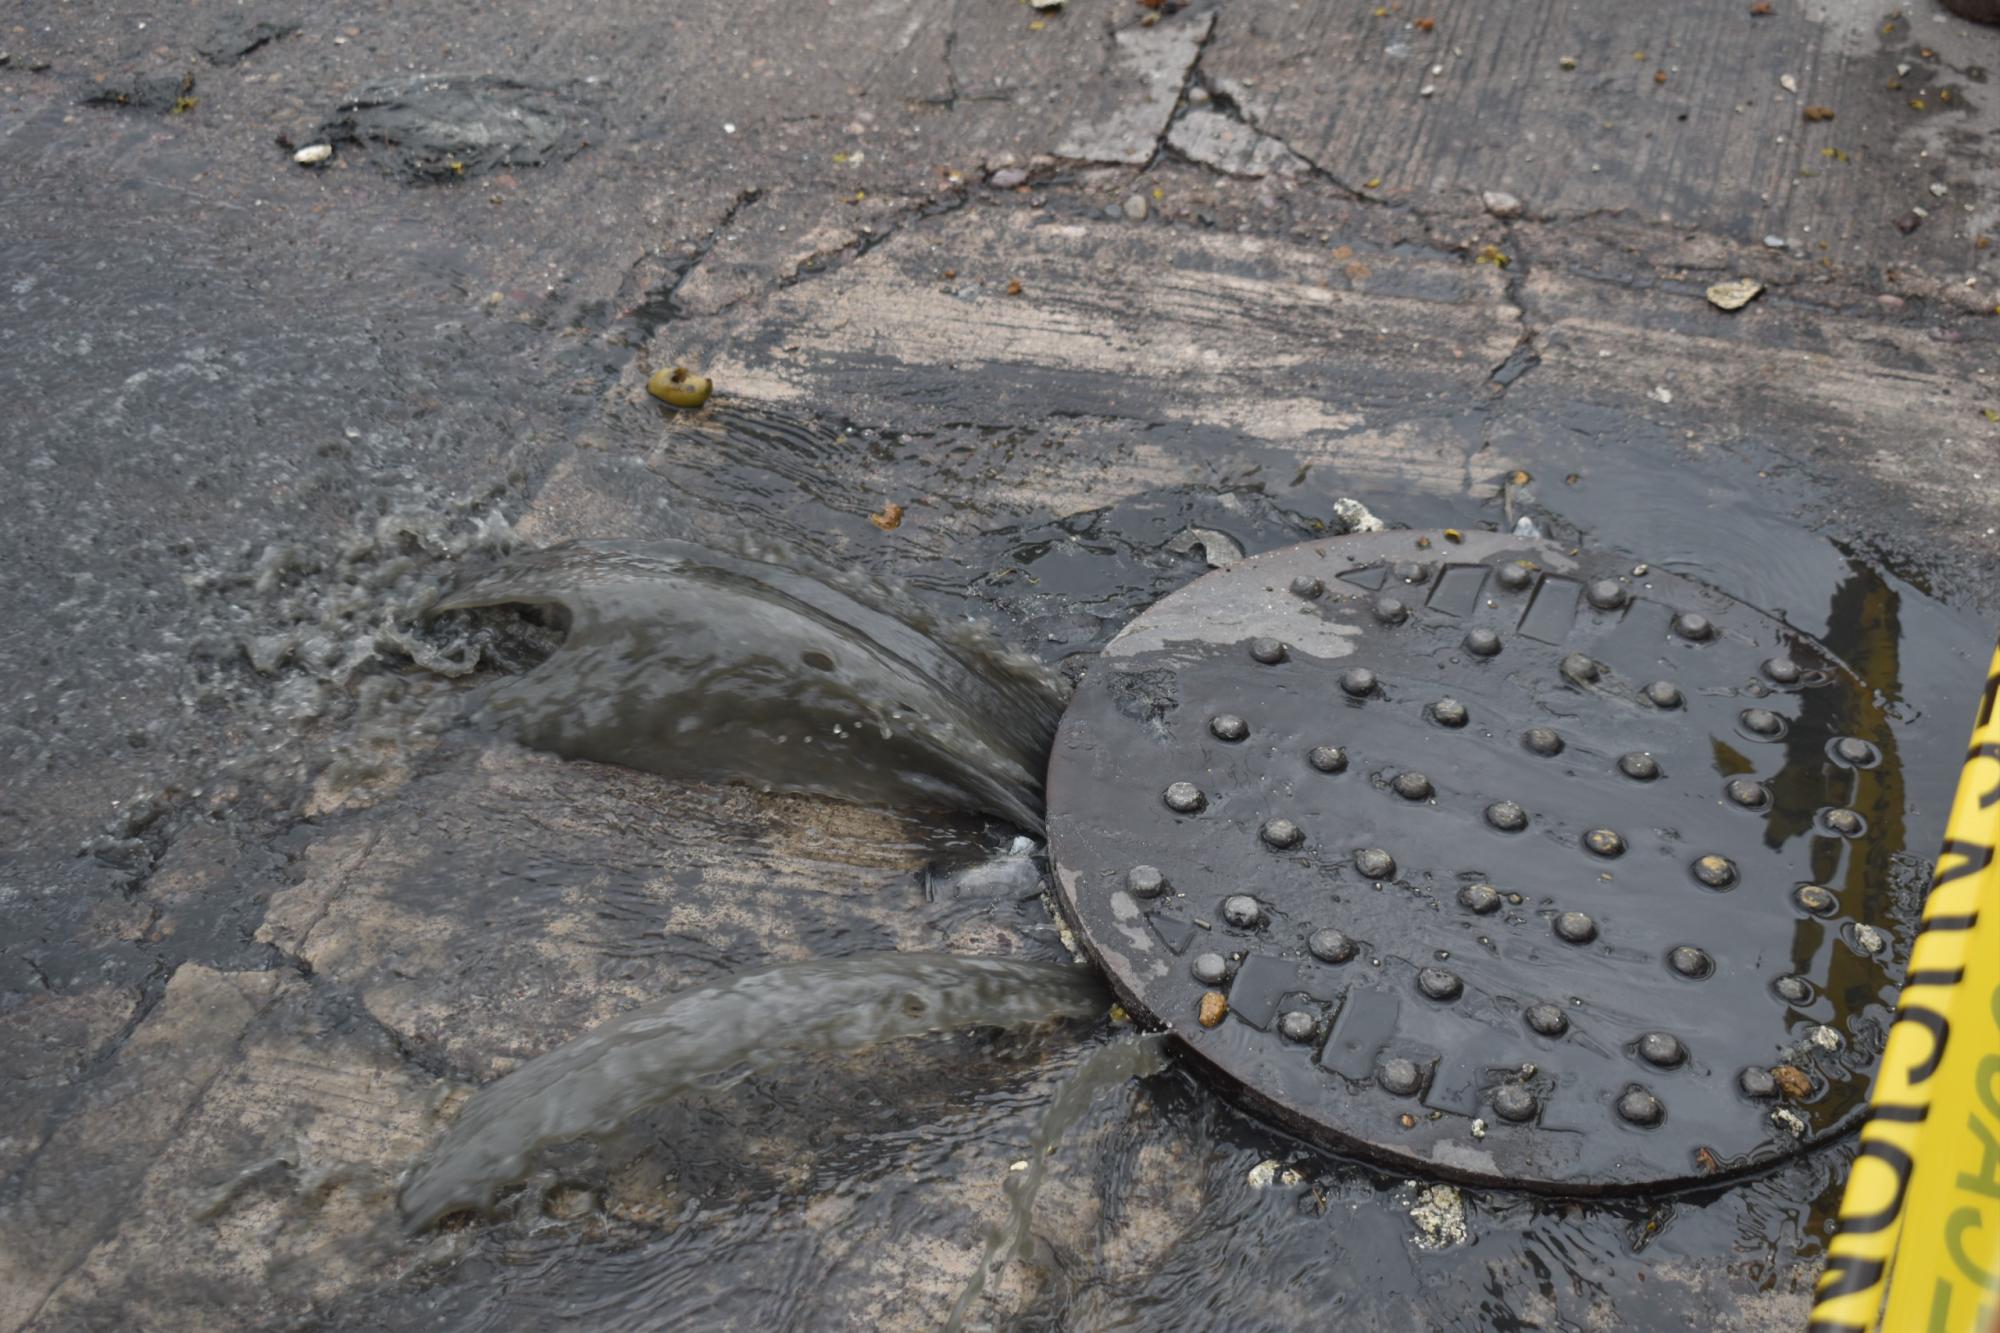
x,y
712,1036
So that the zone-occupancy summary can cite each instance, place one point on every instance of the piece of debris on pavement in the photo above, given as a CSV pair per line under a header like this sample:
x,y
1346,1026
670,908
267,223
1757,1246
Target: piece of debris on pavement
x,y
679,388
1734,294
889,518
1440,1218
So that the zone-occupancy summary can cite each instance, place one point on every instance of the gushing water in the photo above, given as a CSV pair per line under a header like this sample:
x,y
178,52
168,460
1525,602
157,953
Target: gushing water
x,y
699,664
714,1035
1107,1067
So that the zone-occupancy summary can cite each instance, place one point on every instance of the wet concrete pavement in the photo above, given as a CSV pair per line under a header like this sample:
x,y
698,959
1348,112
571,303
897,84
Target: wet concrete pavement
x,y
267,905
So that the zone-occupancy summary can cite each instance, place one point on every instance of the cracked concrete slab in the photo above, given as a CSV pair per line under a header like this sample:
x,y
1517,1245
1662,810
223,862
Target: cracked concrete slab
x,y
78,1186
1137,97
1231,146
1667,114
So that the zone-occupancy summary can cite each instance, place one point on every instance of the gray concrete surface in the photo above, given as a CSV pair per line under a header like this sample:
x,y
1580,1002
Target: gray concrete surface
x,y
255,410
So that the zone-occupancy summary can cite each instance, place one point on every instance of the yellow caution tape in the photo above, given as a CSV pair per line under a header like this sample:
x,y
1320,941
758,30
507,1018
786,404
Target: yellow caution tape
x,y
1918,1246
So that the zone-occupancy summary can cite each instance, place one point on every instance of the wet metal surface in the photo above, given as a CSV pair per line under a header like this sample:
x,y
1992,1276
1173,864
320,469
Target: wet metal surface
x,y
1523,935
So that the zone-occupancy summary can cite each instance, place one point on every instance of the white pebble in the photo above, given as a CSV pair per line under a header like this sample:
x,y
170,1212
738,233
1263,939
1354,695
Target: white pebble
x,y
313,155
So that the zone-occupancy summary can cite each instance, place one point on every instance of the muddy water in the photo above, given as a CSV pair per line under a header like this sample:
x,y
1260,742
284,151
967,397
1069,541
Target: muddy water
x,y
709,666
1149,1214
715,1035
1107,1067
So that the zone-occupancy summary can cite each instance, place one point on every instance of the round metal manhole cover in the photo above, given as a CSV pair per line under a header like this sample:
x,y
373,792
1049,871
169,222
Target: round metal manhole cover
x,y
1487,858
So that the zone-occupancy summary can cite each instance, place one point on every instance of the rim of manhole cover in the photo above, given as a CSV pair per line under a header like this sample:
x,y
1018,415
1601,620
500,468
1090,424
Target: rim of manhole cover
x,y
1507,861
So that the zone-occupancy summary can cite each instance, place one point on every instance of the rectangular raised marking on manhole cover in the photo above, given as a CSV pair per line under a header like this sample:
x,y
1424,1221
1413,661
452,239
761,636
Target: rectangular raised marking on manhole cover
x,y
1367,1021
1370,577
1260,983
1457,590
1553,612
1173,929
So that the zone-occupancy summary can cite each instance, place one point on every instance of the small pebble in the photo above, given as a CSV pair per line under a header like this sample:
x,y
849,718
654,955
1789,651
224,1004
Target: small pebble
x,y
1501,204
1213,1007
1789,1121
314,155
1007,178
1734,295
1135,208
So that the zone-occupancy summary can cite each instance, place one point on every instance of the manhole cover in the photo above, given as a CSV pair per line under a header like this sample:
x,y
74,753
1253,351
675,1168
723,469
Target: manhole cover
x,y
1510,864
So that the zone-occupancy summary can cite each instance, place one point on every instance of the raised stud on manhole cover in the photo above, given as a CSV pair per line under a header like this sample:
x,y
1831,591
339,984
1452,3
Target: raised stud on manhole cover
x,y
1581,667
1756,1081
1605,842
1662,1048
1268,651
1547,1019
1783,670
1543,740
1145,881
1639,766
1357,681
1374,863
1350,926
1298,1025
1411,786
1391,611
1576,927
1817,900
1399,1076
1640,1107
1409,571
1750,795
1242,911
1480,898
1513,1102
1439,984
1845,822
1448,713
1717,872
1608,595
1762,722
1855,752
1330,946
1507,816
1307,586
1328,758
1482,642
1693,625
1228,727
1690,962
1793,989
1185,798
1281,833
1663,694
